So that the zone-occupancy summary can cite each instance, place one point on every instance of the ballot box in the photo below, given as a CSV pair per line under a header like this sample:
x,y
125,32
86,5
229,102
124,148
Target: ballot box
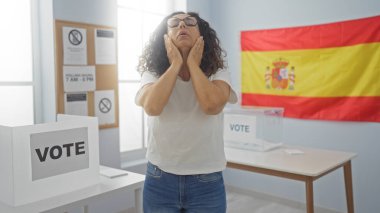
x,y
253,128
44,160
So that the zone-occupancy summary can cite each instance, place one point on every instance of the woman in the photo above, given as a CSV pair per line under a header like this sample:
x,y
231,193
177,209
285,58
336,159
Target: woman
x,y
184,88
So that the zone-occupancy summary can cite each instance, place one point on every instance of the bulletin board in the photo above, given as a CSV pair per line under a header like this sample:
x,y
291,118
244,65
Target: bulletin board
x,y
101,96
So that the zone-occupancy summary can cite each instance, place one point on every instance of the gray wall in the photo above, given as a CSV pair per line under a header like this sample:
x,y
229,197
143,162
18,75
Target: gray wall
x,y
229,17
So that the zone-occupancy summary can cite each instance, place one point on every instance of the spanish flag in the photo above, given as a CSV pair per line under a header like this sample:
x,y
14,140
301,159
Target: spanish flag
x,y
325,72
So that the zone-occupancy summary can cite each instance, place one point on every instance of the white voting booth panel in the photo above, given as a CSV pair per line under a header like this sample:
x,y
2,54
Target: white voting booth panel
x,y
44,160
256,128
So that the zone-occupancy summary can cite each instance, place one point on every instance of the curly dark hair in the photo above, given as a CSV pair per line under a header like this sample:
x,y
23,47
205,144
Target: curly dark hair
x,y
154,57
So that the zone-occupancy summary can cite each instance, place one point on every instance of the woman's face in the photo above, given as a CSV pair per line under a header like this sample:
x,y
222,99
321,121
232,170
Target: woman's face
x,y
183,30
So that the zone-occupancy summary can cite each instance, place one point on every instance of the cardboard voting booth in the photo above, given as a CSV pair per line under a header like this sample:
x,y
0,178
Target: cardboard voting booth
x,y
44,160
254,128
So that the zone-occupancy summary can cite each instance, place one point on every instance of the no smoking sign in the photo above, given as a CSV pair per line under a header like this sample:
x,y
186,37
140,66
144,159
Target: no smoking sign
x,y
75,37
105,105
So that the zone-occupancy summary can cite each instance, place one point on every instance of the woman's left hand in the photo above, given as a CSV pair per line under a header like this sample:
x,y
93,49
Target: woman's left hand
x,y
196,53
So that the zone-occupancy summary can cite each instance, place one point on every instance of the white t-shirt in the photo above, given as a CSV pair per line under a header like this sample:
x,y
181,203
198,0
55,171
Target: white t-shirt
x,y
183,140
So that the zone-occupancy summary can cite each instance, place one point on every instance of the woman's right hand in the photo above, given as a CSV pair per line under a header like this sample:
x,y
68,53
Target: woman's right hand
x,y
174,56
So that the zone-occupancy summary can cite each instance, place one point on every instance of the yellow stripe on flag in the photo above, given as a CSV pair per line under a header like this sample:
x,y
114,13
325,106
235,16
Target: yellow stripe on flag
x,y
329,72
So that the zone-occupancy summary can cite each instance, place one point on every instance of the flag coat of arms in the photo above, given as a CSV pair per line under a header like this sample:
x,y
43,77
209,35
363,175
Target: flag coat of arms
x,y
326,72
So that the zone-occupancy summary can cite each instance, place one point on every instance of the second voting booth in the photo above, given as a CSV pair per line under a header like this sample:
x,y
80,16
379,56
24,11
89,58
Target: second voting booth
x,y
253,128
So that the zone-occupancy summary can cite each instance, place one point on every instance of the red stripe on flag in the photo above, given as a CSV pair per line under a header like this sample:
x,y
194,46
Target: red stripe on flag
x,y
337,108
338,34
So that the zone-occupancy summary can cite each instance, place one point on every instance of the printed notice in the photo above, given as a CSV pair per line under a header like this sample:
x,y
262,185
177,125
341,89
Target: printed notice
x,y
105,106
76,104
79,78
105,46
74,46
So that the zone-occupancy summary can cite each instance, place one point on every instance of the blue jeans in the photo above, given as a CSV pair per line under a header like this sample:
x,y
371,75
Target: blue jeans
x,y
169,193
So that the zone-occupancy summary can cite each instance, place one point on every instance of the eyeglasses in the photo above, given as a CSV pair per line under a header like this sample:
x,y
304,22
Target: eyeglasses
x,y
189,21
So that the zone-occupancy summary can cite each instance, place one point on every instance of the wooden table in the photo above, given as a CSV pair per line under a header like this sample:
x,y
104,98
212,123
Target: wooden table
x,y
307,167
83,197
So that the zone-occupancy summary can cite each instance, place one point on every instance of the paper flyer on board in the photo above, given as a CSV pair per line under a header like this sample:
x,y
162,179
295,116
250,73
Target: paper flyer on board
x,y
74,46
105,106
79,78
105,46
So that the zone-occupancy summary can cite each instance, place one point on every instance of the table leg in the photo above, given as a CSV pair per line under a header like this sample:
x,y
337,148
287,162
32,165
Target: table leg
x,y
309,196
348,184
138,200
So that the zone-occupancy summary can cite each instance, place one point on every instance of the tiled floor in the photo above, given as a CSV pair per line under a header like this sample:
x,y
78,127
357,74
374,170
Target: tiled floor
x,y
250,202
241,203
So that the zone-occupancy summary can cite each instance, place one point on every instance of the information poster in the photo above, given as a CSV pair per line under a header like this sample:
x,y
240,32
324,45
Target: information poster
x,y
105,107
79,78
105,46
76,104
74,46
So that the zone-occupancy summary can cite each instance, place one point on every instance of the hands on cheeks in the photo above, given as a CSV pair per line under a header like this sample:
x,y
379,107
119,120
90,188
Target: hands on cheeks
x,y
195,55
196,52
172,51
